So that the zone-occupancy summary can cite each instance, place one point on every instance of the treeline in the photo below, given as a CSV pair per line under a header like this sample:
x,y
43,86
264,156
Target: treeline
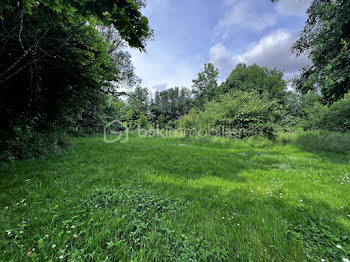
x,y
252,101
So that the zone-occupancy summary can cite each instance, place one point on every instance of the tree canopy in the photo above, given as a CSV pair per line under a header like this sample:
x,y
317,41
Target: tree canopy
x,y
254,77
205,85
58,59
325,39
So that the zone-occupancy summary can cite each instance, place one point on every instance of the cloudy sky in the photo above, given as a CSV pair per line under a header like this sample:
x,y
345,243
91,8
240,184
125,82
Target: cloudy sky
x,y
189,33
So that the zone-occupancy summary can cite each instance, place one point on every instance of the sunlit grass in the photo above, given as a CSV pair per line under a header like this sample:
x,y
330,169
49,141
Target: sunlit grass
x,y
223,200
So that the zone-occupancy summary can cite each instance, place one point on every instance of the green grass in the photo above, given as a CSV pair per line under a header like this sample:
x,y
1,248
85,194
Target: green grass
x,y
176,199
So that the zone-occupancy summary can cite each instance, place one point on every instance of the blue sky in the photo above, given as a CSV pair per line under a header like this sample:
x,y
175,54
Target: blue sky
x,y
189,33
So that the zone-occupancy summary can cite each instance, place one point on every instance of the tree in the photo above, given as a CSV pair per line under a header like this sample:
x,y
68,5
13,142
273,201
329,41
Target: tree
x,y
236,114
337,116
56,63
205,87
254,77
169,105
137,104
326,40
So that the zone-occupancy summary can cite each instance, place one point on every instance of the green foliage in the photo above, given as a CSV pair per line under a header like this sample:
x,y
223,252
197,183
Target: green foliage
x,y
142,122
191,120
256,78
337,116
94,119
301,112
25,142
306,112
169,105
238,114
61,63
325,39
205,87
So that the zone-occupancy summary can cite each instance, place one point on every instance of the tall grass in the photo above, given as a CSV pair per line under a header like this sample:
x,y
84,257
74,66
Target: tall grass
x,y
318,141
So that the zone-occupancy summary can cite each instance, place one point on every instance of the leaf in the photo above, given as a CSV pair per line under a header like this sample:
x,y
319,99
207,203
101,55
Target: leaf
x,y
144,20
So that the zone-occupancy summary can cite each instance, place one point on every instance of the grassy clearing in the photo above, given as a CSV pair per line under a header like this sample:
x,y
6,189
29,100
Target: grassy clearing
x,y
176,199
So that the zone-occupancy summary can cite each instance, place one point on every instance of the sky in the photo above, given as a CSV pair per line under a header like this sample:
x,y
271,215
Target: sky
x,y
190,33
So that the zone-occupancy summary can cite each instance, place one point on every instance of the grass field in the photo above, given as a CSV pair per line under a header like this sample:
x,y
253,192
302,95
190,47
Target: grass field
x,y
175,199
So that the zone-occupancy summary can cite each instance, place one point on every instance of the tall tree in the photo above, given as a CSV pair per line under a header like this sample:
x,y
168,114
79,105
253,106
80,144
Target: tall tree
x,y
138,103
205,86
254,77
55,62
326,40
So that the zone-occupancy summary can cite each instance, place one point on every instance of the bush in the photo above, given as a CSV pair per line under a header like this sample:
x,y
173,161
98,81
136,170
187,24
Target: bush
x,y
25,142
337,117
301,112
237,114
142,122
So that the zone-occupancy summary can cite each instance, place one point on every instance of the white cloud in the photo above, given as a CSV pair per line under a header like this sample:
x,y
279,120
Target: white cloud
x,y
272,51
222,58
292,7
243,14
160,69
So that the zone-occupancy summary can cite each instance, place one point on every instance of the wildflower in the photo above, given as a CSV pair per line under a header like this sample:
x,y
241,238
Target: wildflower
x,y
68,231
238,224
33,249
345,259
61,256
338,246
322,260
46,236
72,226
223,217
6,207
8,232
75,235
21,232
54,245
23,200
300,200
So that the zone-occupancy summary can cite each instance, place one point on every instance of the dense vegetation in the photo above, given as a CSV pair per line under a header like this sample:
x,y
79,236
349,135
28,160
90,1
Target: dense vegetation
x,y
62,64
59,59
258,172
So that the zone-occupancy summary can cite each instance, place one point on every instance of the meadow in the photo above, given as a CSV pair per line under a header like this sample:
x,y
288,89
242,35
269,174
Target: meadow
x,y
179,199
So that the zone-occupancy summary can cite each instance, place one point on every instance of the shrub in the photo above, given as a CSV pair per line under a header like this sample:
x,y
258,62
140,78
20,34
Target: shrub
x,y
142,122
237,114
25,142
337,117
301,112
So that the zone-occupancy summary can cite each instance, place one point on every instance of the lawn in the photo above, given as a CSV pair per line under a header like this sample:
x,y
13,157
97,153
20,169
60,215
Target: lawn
x,y
176,199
